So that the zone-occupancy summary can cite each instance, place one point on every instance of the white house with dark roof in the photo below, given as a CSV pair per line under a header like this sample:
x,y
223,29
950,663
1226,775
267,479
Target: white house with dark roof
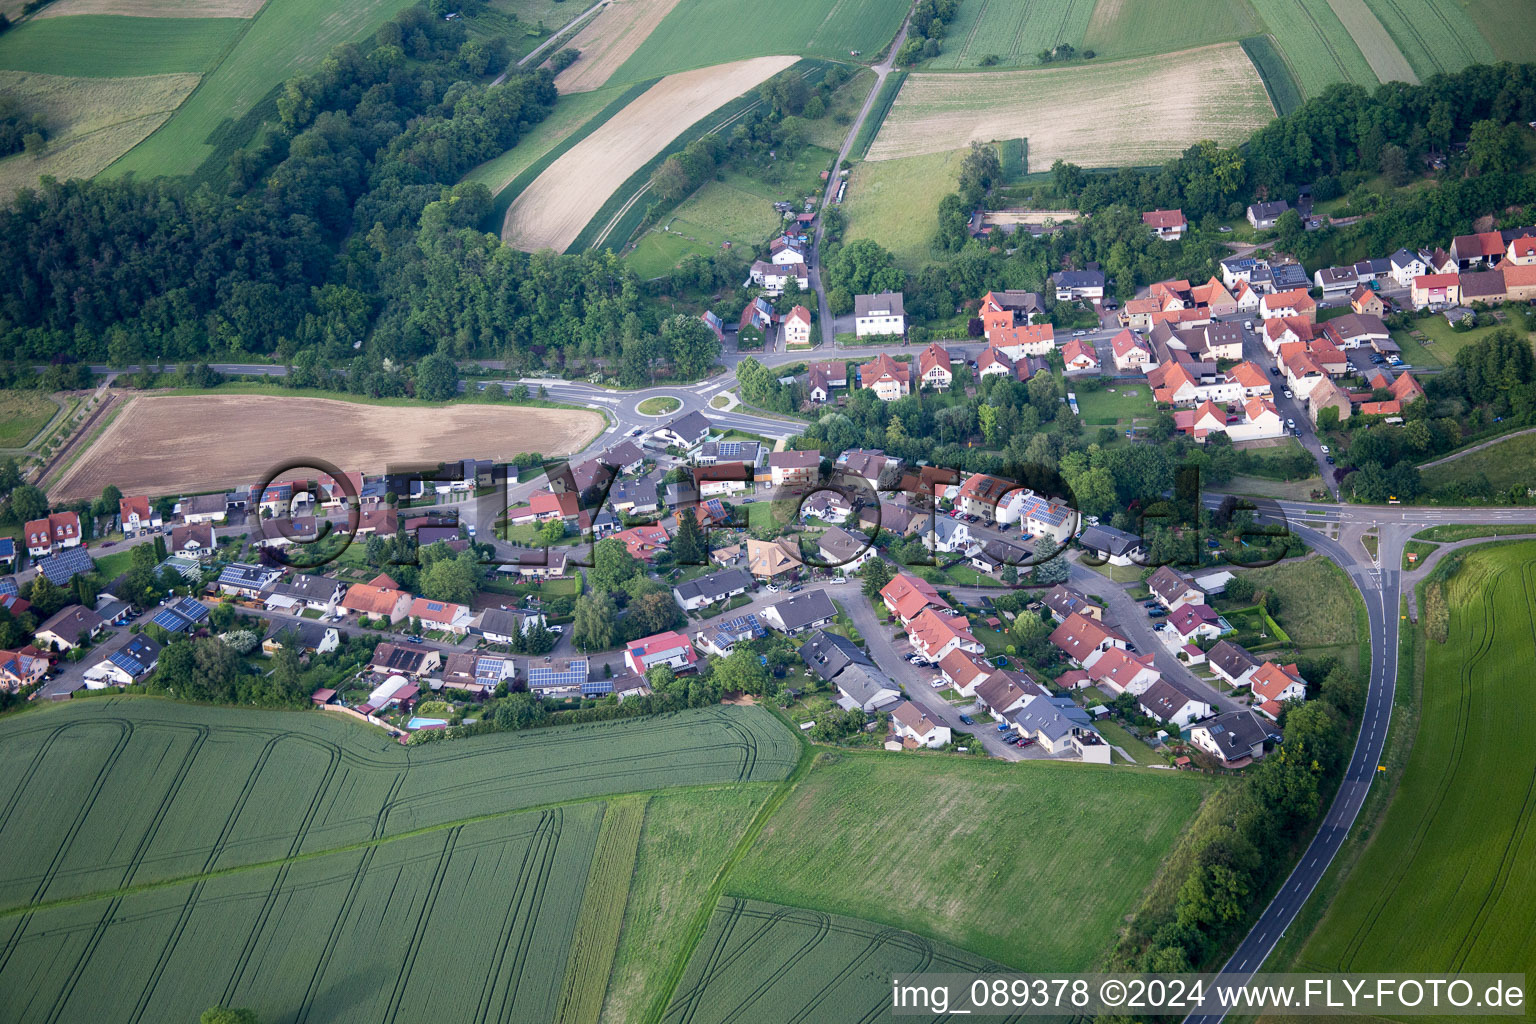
x,y
1172,704
910,724
883,313
1233,738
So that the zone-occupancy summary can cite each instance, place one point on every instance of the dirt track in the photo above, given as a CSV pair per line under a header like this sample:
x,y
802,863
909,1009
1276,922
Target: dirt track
x,y
608,40
173,444
552,211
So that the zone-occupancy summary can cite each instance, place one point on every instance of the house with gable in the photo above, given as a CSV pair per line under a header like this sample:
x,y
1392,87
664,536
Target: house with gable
x,y
1085,640
1274,684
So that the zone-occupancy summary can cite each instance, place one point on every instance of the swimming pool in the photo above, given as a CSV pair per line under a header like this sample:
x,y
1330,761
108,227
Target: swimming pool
x,y
426,723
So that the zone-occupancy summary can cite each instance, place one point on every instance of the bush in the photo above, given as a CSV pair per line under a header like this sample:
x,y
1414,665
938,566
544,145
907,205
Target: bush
x,y
564,59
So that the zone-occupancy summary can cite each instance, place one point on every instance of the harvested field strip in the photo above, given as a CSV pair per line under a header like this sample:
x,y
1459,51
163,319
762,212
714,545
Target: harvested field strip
x,y
972,810
569,115
1279,79
602,912
91,121
1421,893
608,40
1164,103
108,46
555,208
775,964
1434,36
242,437
1386,60
155,8
263,787
1316,45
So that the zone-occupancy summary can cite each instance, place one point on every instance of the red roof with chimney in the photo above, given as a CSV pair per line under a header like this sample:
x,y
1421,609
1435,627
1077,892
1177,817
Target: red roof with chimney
x,y
1164,219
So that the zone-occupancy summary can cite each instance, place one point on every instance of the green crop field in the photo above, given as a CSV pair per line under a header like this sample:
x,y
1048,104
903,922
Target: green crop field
x,y
685,840
1376,44
950,845
570,113
881,202
1436,36
775,965
109,46
1120,28
704,32
1509,463
260,858
22,415
1316,45
286,37
218,806
1507,25
1013,32
1448,881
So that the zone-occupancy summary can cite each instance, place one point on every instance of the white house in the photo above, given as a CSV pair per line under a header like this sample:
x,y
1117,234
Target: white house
x,y
1233,737
1277,684
796,326
1170,703
883,313
909,723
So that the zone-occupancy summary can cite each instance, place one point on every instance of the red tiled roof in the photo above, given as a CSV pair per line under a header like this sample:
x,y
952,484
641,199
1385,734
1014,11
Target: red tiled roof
x,y
1163,218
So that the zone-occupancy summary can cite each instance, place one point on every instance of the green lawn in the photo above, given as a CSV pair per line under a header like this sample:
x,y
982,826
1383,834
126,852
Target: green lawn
x,y
659,406
698,33
110,566
286,37
1509,463
715,214
949,847
109,46
1118,735
22,415
1120,406
1449,876
1440,341
1316,605
896,202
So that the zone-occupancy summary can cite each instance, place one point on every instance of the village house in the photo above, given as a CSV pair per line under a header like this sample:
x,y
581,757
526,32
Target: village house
x,y
644,542
823,378
202,508
791,468
136,514
477,673
796,327
1275,684
443,615
1058,726
880,314
407,660
1003,692
1366,302
1002,311
131,663
1232,662
1014,344
795,615
1111,545
1119,671
934,635
194,539
756,321
1436,290
72,626
1173,589
963,670
1234,739
1194,622
304,592
1072,285
1295,303
380,597
714,588
1079,356
981,494
906,596
308,636
1131,352
19,669
502,626
242,579
687,431
671,649
773,278
1327,395
1168,225
933,368
844,551
1085,640
1172,704
786,250
886,377
769,560
59,530
1264,215
912,727
947,535
1062,601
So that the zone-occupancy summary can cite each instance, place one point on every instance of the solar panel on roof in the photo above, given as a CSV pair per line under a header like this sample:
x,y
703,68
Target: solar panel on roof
x,y
8,586
127,662
171,621
66,565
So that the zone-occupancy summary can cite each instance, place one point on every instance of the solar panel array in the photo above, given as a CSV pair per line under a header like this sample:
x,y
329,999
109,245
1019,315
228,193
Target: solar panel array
x,y
66,565
8,586
555,676
181,616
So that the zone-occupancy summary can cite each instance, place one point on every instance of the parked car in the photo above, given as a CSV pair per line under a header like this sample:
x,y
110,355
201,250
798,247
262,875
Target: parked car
x,y
1328,459
1025,741
1290,422
1156,613
773,588
413,639
796,588
1323,448
1288,393
1247,325
1002,726
967,720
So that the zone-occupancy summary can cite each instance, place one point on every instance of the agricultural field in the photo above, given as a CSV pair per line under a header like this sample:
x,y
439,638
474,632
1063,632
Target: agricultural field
x,y
963,839
1509,463
242,436
1446,881
569,114
1130,28
776,965
829,132
1317,46
167,790
259,858
880,203
1507,26
1160,104
683,844
608,40
155,8
288,36
22,415
91,121
552,211
1381,53
702,32
1012,32
1433,36
112,46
